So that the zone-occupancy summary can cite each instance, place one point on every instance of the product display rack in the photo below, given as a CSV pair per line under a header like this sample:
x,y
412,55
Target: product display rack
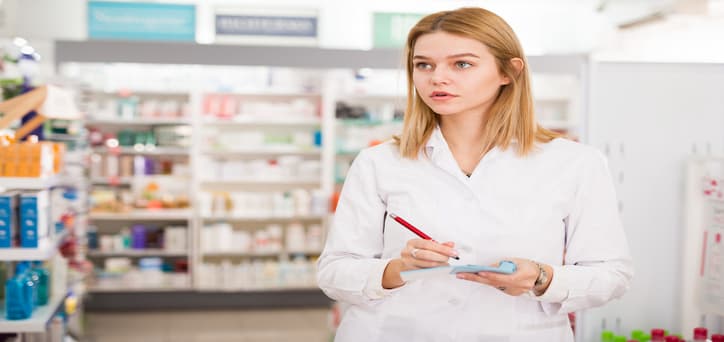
x,y
37,322
125,110
47,249
250,122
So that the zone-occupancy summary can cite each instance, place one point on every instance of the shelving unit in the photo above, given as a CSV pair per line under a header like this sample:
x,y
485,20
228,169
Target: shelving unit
x,y
249,184
122,288
262,154
233,124
232,218
36,323
28,183
137,122
156,151
144,215
151,126
138,253
46,249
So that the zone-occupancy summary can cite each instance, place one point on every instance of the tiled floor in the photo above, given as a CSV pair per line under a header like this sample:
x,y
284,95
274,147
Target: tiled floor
x,y
303,325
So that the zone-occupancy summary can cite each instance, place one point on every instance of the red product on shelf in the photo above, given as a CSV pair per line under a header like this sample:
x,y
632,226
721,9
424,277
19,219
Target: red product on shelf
x,y
717,338
700,334
657,335
672,338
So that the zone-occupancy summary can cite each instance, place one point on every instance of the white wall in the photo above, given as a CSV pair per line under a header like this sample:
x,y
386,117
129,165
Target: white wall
x,y
649,117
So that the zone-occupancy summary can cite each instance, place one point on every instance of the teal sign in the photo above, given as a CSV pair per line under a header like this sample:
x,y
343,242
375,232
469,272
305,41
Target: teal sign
x,y
391,29
141,21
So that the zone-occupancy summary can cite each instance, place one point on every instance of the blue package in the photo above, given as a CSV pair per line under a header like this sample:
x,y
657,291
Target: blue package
x,y
8,219
33,218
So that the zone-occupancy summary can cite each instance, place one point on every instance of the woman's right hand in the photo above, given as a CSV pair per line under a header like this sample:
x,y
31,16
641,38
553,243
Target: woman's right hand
x,y
418,253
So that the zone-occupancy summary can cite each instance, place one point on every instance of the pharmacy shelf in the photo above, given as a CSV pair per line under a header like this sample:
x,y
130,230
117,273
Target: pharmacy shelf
x,y
145,215
269,184
125,180
305,252
111,180
256,289
367,122
46,248
234,124
208,298
263,153
137,122
233,254
27,183
37,321
157,151
231,218
137,253
268,93
125,288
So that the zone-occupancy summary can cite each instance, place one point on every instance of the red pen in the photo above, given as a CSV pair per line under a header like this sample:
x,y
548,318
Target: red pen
x,y
414,229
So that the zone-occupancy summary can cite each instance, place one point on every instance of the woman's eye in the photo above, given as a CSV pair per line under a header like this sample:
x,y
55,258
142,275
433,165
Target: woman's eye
x,y
423,66
463,65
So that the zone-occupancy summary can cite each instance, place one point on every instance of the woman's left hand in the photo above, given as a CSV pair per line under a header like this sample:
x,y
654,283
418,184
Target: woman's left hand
x,y
515,284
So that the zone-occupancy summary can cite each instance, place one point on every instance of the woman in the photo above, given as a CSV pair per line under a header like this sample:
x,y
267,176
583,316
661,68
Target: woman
x,y
473,169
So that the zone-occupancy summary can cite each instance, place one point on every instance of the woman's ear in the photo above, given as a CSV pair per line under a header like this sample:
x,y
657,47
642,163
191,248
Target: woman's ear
x,y
518,65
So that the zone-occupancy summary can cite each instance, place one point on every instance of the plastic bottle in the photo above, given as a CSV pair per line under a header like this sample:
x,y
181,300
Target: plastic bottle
x,y
35,277
700,334
637,335
21,271
43,282
717,338
619,338
657,335
672,338
607,336
15,307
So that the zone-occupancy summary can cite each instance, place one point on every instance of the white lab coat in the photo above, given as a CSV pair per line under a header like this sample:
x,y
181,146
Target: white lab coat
x,y
559,198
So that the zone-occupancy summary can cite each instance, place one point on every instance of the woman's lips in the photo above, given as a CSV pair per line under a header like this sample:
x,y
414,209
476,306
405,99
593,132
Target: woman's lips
x,y
442,96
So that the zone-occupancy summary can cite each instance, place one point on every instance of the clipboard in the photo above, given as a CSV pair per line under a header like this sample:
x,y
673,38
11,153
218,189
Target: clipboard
x,y
504,267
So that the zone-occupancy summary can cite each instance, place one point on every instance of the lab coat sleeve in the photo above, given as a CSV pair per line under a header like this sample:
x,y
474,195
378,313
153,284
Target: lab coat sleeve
x,y
597,265
350,268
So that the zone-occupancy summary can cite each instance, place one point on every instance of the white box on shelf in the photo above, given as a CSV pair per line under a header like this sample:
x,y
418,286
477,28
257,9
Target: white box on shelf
x,y
174,239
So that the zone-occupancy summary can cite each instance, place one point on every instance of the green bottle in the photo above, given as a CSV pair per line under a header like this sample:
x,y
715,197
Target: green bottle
x,y
43,282
607,336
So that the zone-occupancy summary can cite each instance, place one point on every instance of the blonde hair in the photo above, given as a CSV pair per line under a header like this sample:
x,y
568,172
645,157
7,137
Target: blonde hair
x,y
510,117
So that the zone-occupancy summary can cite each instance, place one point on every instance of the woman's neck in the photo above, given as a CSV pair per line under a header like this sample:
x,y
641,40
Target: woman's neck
x,y
462,133
464,137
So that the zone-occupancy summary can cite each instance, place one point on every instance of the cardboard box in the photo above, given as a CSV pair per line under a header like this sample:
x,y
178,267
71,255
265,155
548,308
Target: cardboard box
x,y
9,219
34,208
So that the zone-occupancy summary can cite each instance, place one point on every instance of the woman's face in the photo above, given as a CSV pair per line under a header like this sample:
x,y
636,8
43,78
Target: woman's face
x,y
453,74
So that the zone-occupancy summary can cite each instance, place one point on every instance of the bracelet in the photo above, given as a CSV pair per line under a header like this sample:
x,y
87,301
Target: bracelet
x,y
542,276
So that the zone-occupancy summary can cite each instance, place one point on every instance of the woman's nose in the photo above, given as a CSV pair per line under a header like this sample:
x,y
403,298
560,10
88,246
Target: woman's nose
x,y
440,76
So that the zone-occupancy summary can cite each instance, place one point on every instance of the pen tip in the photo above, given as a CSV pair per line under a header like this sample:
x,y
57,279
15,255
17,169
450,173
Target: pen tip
x,y
456,258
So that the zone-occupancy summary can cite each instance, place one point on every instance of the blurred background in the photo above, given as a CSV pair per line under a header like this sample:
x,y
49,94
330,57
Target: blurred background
x,y
169,169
